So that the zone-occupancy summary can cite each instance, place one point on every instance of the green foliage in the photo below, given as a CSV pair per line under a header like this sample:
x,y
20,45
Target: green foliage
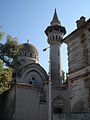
x,y
1,34
9,51
1,90
8,61
1,66
5,77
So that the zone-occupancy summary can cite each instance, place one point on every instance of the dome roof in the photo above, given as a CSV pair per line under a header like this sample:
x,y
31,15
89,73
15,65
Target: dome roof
x,y
29,47
30,51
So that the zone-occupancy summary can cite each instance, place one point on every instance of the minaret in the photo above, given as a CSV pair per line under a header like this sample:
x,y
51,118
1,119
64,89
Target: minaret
x,y
55,33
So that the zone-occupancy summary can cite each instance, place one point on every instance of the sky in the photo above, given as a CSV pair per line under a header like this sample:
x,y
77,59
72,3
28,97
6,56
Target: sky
x,y
28,19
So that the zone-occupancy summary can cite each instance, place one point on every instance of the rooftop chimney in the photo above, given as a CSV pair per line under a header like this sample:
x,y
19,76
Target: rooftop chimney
x,y
81,21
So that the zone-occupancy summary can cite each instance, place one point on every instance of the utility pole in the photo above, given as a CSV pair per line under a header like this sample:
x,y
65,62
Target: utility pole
x,y
49,87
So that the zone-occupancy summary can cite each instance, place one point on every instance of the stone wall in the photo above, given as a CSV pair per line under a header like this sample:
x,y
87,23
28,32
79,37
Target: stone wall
x,y
63,95
78,96
76,54
28,105
78,43
82,116
7,105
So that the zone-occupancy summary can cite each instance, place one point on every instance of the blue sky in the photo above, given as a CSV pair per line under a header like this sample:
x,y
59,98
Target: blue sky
x,y
27,20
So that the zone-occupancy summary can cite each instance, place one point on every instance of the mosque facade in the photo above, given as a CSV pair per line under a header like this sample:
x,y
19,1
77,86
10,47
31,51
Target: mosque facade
x,y
28,98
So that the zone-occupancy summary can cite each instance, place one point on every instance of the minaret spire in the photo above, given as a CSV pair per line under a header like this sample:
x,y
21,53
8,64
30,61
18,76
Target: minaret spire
x,y
55,33
55,20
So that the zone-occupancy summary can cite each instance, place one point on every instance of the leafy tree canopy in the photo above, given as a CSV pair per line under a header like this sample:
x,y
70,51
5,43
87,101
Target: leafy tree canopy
x,y
1,66
5,77
1,34
8,60
9,51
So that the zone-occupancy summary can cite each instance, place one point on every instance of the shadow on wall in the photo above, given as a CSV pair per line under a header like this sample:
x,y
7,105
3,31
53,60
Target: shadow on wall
x,y
78,107
82,116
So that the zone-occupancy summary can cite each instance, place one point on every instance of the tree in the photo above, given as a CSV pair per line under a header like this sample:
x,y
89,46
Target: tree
x,y
1,34
5,77
8,58
9,51
1,66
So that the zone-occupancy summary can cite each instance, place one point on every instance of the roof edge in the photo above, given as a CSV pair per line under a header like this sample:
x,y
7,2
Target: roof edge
x,y
74,32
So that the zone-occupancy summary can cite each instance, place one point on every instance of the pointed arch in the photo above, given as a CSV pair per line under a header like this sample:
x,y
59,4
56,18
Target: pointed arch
x,y
58,105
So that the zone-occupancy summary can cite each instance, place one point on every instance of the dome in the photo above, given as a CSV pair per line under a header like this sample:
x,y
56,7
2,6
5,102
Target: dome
x,y
28,50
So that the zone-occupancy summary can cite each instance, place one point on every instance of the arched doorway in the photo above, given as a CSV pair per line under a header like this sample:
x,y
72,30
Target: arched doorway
x,y
57,110
58,107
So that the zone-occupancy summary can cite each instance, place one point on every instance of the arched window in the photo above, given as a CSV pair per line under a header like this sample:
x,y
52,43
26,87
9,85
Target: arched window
x,y
33,78
56,37
53,37
20,53
25,53
30,82
59,37
30,54
35,56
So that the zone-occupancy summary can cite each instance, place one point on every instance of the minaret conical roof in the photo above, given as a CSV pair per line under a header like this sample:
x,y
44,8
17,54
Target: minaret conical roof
x,y
55,20
55,24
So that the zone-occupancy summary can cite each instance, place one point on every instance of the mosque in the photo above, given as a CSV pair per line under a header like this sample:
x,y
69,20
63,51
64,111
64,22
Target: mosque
x,y
28,98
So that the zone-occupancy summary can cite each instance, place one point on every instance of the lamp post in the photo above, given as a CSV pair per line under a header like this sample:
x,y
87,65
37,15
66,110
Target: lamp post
x,y
49,87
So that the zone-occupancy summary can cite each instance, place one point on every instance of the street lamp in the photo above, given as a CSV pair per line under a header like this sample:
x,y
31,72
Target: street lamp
x,y
49,87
